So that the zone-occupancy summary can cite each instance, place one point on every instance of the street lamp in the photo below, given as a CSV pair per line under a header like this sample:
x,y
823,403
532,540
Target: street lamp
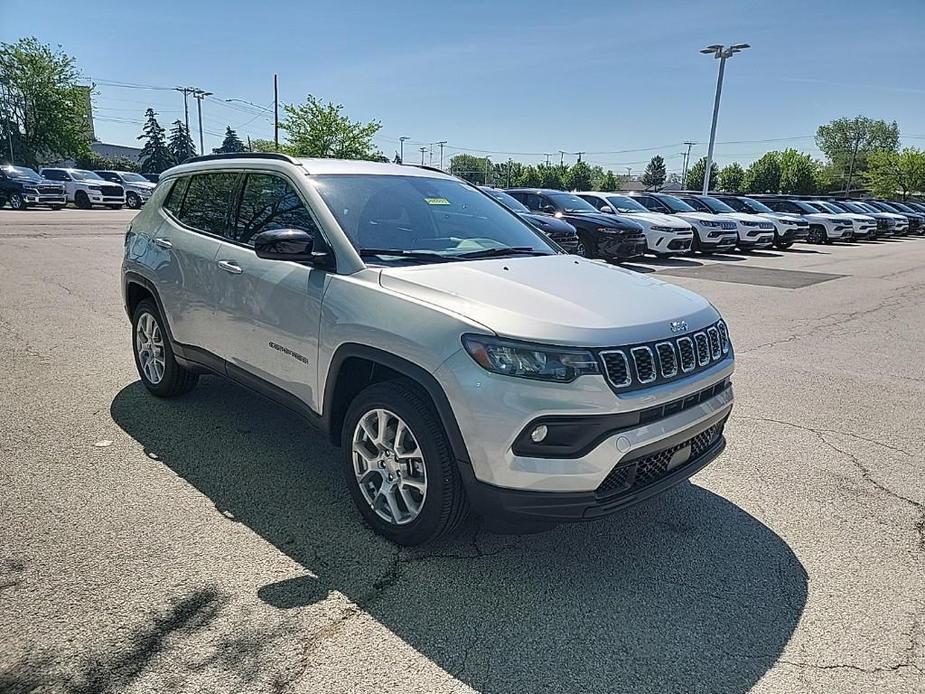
x,y
401,148
722,53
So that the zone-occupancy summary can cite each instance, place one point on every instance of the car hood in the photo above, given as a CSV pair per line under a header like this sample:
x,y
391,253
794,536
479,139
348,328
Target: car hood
x,y
739,216
138,185
548,223
604,220
780,215
700,216
666,220
556,299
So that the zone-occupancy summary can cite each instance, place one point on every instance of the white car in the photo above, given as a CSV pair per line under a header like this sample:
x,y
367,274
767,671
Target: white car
x,y
824,227
864,224
137,188
711,232
85,189
789,227
899,224
753,232
665,234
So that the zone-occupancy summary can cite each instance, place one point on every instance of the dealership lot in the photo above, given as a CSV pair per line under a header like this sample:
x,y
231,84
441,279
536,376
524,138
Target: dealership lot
x,y
210,543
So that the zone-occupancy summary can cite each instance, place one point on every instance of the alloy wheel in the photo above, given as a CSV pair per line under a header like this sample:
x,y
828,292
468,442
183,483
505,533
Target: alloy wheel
x,y
149,345
389,466
16,201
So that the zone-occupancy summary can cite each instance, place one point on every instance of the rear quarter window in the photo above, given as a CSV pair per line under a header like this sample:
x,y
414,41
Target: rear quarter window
x,y
174,200
206,203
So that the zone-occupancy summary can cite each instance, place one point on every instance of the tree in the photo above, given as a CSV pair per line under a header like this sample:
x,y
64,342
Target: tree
x,y
797,173
180,145
45,113
231,143
530,177
891,172
695,174
731,177
473,169
609,182
578,176
653,177
97,162
552,175
154,157
763,176
849,142
317,129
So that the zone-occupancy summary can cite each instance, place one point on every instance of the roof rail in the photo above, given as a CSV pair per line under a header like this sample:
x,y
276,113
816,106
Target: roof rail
x,y
429,168
279,156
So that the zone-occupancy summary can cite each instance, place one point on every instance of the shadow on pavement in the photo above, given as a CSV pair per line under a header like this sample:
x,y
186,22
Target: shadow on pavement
x,y
726,257
685,592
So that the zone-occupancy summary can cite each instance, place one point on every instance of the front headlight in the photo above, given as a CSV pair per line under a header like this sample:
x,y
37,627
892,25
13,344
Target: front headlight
x,y
608,230
662,228
526,360
710,224
94,187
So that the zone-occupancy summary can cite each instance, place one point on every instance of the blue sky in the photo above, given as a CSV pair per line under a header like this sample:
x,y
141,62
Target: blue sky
x,y
516,78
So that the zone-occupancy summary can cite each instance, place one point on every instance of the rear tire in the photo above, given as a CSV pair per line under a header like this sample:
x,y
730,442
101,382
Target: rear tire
x,y
82,200
388,466
159,370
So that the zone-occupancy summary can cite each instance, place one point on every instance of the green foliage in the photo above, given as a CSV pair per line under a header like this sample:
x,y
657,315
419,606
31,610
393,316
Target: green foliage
x,y
530,177
507,173
317,129
763,176
232,143
654,176
896,172
609,182
92,161
552,175
44,111
798,173
578,176
731,177
695,174
180,145
473,169
155,157
859,137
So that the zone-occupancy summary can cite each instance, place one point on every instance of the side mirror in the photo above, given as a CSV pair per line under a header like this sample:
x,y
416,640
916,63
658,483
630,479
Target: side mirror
x,y
289,244
606,209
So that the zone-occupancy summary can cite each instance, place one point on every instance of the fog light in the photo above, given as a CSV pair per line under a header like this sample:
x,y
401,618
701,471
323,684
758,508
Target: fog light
x,y
538,434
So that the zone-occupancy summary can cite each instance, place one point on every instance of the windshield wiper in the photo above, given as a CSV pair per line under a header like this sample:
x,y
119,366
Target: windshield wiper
x,y
498,252
403,253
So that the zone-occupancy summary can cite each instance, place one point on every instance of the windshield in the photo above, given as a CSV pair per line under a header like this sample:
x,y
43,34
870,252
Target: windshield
x,y
754,206
828,207
571,203
622,203
715,205
81,175
21,172
433,218
901,207
883,206
509,201
130,177
675,204
866,208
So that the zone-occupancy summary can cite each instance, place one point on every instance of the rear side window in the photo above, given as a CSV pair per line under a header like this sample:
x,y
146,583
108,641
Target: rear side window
x,y
175,196
205,206
648,203
269,202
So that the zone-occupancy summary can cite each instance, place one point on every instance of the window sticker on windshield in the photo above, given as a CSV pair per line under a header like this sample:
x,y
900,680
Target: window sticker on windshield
x,y
436,201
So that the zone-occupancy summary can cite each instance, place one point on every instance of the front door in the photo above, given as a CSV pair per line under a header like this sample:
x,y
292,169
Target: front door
x,y
268,311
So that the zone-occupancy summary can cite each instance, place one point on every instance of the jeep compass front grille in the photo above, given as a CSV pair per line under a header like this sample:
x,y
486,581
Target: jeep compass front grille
x,y
638,366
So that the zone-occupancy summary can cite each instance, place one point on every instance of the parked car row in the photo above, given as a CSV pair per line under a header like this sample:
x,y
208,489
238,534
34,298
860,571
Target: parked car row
x,y
621,226
23,187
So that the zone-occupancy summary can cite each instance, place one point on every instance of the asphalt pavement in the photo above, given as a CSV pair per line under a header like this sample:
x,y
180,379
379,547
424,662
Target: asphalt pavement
x,y
208,543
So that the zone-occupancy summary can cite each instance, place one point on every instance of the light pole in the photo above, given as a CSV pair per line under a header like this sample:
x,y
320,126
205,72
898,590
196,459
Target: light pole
x,y
199,95
423,149
401,148
722,53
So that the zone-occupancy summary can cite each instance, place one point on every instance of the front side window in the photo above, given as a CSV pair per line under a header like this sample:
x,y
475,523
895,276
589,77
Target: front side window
x,y
269,202
696,204
109,176
444,218
716,206
675,204
749,205
625,204
205,206
55,175
570,203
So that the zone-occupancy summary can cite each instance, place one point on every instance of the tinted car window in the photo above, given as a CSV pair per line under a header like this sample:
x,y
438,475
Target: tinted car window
x,y
109,176
269,202
698,205
55,175
206,204
175,196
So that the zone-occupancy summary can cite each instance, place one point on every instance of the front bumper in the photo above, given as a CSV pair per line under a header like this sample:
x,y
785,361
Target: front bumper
x,y
723,241
617,248
762,240
668,243
43,199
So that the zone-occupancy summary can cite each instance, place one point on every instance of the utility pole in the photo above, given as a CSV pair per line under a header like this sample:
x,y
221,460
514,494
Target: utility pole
x,y
186,91
401,148
687,158
629,171
561,158
441,143
423,149
487,164
199,95
547,159
510,168
723,54
854,154
579,155
275,112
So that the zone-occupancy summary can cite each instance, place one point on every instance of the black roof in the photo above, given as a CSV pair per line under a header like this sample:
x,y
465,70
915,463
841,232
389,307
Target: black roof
x,y
278,156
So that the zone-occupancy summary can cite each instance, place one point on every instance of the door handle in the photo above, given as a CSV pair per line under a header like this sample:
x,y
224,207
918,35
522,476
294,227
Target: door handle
x,y
231,267
163,243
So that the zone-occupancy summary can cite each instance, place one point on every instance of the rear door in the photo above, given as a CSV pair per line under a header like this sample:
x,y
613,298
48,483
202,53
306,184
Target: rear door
x,y
196,215
269,311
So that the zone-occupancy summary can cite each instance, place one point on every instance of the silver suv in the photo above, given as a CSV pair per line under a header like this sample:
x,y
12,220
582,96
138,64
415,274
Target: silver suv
x,y
458,357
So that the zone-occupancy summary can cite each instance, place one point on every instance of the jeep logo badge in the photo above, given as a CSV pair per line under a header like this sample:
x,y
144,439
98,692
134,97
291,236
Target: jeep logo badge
x,y
678,326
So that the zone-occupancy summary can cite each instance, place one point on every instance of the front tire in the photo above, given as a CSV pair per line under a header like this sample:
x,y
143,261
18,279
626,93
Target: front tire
x,y
399,466
159,370
783,245
82,200
817,235
17,202
133,201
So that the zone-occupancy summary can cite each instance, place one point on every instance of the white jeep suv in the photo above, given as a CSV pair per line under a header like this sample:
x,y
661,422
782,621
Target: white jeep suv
x,y
86,189
754,232
666,234
137,188
458,358
711,232
824,227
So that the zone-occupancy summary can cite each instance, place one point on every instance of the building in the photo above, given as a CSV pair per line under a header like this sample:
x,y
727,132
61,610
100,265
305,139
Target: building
x,y
107,150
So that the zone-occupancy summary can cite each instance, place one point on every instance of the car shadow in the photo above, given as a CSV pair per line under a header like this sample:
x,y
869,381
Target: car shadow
x,y
684,592
674,262
725,257
764,254
637,268
793,249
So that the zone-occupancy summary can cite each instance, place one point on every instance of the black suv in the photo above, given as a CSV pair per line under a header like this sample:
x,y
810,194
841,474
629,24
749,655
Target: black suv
x,y
556,229
601,235
21,187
